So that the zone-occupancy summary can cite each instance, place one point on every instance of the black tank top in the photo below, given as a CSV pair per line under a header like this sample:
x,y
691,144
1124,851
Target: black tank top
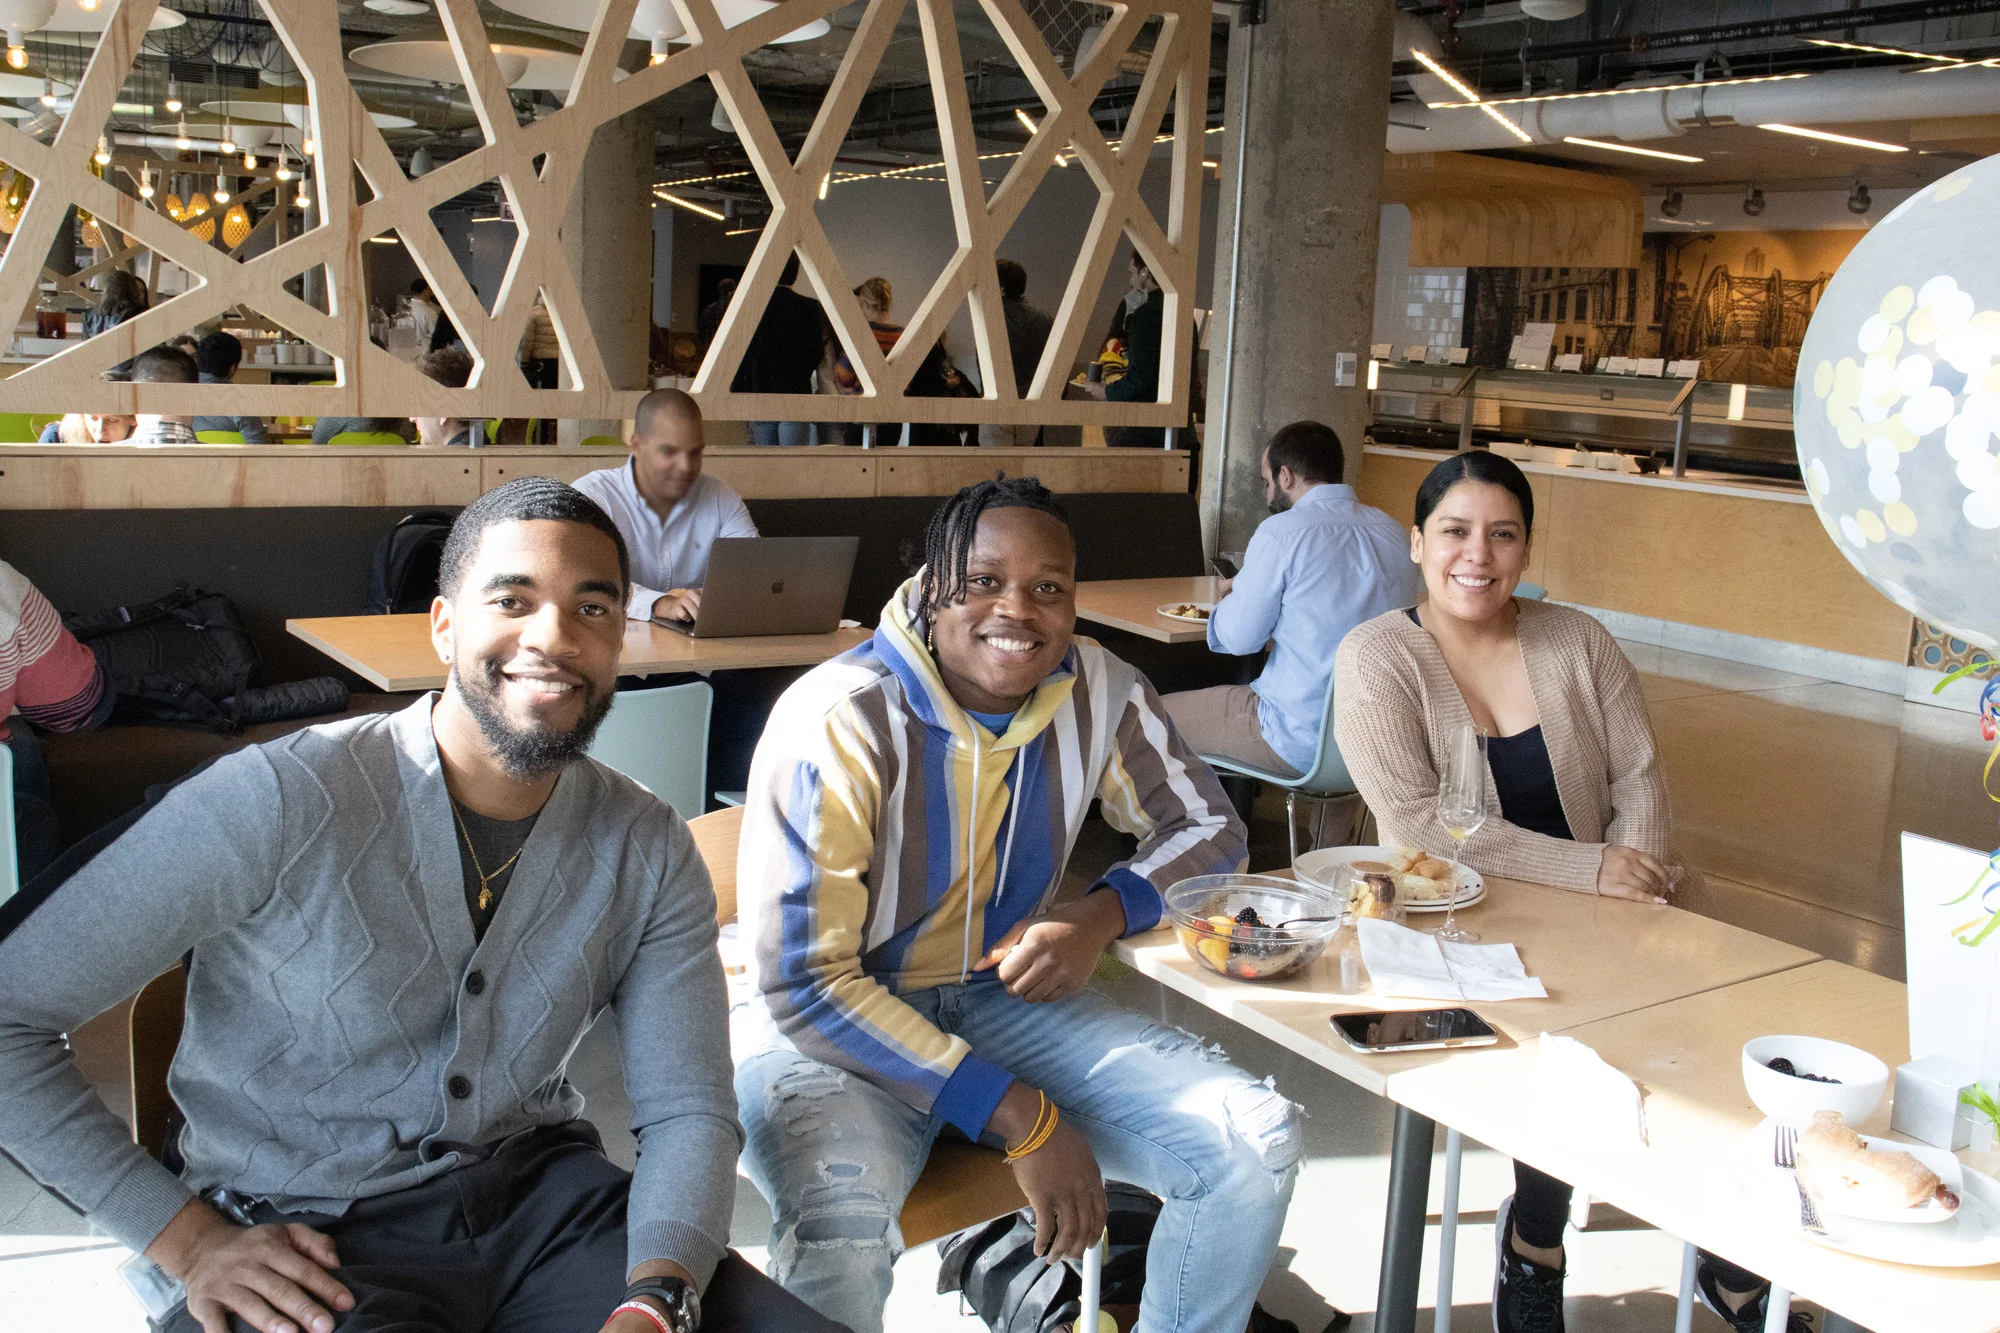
x,y
1524,778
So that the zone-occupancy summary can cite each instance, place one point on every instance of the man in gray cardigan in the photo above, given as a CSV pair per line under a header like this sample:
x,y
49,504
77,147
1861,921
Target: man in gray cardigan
x,y
401,926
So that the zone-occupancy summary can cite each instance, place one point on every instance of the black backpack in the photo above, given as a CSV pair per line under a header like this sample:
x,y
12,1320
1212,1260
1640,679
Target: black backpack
x,y
184,658
403,576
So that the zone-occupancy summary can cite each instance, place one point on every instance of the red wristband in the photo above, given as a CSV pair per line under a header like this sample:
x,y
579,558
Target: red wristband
x,y
658,1319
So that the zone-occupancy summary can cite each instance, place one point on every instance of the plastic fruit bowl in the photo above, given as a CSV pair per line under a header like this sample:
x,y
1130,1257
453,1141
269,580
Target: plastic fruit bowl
x,y
1244,952
1790,1100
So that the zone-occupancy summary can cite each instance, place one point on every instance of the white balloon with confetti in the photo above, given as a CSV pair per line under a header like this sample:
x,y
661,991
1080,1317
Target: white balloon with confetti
x,y
1897,405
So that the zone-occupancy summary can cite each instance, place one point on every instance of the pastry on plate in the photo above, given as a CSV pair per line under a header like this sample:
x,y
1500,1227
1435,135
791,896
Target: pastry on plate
x,y
1836,1164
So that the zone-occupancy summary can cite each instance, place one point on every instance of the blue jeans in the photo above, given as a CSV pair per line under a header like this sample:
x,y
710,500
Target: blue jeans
x,y
36,829
789,433
835,1155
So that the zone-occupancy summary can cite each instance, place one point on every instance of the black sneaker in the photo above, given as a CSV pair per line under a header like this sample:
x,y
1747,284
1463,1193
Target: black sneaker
x,y
1527,1297
1749,1319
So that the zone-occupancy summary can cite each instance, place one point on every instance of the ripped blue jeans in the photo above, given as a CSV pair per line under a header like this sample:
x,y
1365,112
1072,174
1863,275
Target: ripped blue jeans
x,y
835,1155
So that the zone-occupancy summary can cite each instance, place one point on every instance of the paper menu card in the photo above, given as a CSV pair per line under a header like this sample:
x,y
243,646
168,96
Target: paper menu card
x,y
1415,965
1952,953
1594,1105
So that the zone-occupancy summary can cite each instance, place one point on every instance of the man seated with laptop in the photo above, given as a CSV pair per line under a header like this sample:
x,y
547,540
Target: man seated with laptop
x,y
668,512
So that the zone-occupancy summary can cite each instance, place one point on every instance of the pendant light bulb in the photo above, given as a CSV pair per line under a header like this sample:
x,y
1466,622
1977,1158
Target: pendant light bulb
x,y
660,52
181,140
249,161
228,136
310,147
284,171
302,200
17,53
88,6
221,189
173,96
145,183
48,92
102,157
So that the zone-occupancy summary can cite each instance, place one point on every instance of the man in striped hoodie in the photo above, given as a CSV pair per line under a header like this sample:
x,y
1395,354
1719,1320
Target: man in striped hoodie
x,y
50,680
911,809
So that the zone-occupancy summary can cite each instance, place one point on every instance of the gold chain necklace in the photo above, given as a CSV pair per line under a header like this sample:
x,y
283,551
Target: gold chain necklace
x,y
485,880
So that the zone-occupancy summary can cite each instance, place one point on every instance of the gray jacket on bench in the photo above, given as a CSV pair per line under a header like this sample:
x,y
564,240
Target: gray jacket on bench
x,y
333,1048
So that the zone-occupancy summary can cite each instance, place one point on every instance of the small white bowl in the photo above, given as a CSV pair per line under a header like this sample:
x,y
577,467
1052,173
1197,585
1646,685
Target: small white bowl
x,y
1792,1101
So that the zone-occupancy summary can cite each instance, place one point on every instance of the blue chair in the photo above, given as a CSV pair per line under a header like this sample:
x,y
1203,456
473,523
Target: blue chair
x,y
659,739
1321,785
1530,592
10,866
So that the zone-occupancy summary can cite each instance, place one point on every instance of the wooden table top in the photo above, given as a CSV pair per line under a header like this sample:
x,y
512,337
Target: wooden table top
x,y
1597,957
395,653
1687,1055
1130,604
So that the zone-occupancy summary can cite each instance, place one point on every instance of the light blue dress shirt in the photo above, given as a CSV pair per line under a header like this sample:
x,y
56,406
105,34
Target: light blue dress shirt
x,y
672,552
1311,574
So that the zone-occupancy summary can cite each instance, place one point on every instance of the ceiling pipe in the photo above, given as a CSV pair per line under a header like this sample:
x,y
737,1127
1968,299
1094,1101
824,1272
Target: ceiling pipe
x,y
1830,98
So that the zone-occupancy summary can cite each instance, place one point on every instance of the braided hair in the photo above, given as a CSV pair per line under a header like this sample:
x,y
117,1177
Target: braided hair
x,y
948,536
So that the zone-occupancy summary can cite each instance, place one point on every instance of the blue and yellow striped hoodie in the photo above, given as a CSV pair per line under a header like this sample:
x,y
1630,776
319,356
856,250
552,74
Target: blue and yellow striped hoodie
x,y
890,839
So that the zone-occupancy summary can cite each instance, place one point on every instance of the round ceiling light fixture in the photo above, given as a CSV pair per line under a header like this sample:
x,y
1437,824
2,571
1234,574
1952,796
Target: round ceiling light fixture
x,y
1553,11
398,8
656,20
526,59
1753,202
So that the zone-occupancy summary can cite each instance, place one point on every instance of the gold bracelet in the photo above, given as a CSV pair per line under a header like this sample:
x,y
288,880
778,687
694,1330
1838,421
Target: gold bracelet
x,y
1041,1112
1040,1134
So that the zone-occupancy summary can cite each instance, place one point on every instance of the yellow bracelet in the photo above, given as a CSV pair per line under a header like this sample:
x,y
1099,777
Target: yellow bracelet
x,y
1040,1134
1028,1144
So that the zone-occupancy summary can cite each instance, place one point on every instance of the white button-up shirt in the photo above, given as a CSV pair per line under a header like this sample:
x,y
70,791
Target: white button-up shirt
x,y
1311,574
672,552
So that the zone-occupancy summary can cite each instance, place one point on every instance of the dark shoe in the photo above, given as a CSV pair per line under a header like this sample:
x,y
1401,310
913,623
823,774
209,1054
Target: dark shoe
x,y
1749,1319
1527,1297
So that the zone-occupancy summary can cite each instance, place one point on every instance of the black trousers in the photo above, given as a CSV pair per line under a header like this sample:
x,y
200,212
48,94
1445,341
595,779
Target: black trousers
x,y
531,1240
1541,1211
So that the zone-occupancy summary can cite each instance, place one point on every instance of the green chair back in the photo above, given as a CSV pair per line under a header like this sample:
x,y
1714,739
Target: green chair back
x,y
10,868
39,421
602,442
659,739
18,428
372,437
492,429
219,436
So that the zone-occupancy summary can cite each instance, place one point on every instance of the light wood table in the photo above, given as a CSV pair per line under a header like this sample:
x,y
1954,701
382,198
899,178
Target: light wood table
x,y
395,653
1687,1055
1131,604
1597,957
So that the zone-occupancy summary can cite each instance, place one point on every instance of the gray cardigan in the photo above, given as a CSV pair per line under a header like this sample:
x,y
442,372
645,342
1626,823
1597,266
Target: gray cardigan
x,y
329,1022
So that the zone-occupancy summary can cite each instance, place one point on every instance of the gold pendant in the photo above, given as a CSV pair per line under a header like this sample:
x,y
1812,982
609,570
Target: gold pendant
x,y
485,899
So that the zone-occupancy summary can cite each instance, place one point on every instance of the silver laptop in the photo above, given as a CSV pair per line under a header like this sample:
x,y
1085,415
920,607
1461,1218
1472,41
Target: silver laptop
x,y
772,585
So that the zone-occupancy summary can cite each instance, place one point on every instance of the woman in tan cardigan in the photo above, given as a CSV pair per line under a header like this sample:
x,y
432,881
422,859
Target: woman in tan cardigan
x,y
1576,796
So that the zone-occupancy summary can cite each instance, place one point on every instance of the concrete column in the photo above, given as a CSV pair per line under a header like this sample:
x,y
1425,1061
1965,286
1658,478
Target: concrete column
x,y
1307,109
607,240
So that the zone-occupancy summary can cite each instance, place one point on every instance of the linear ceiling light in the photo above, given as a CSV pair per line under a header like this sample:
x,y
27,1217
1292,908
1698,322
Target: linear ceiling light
x,y
1847,139
689,205
1472,98
1626,92
1883,50
1630,148
1964,64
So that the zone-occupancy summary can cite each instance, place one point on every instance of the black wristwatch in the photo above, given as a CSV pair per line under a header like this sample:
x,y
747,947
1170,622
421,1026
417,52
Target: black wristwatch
x,y
682,1302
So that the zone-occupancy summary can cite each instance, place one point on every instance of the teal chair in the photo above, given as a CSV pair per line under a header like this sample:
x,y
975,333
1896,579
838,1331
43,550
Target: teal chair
x,y
659,739
10,866
219,436
1325,782
1530,592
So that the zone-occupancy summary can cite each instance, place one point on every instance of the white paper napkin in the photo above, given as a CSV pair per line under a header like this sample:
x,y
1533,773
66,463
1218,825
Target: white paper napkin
x,y
1595,1105
1415,965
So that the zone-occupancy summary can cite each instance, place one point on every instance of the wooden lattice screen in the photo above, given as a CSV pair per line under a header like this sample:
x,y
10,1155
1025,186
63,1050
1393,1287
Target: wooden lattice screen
x,y
369,381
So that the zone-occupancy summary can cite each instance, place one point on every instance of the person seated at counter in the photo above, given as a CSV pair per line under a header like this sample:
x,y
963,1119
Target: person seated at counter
x,y
452,367
909,813
216,358
669,513
325,428
1320,565
48,682
1577,796
164,365
90,428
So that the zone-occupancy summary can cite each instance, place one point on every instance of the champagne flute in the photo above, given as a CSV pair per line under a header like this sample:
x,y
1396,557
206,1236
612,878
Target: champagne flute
x,y
1461,808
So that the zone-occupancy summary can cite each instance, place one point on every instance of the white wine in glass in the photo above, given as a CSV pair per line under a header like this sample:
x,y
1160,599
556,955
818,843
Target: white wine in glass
x,y
1461,808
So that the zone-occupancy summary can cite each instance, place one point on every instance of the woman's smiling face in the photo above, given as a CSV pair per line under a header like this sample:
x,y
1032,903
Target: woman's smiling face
x,y
1472,549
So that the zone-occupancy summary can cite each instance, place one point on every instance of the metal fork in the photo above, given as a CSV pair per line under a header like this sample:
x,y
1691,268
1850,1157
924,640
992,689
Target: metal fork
x,y
1785,1154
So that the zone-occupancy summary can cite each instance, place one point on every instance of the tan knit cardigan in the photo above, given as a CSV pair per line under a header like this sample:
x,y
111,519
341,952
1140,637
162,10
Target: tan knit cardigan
x,y
1395,703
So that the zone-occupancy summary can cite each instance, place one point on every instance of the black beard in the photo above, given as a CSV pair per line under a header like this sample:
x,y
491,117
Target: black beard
x,y
1279,502
527,755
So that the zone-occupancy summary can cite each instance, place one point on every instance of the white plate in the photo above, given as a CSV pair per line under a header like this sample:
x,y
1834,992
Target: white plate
x,y
1318,868
1970,1239
1947,1167
1167,609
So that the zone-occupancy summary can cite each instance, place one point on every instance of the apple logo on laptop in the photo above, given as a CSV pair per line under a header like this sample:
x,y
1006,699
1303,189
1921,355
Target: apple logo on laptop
x,y
778,587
